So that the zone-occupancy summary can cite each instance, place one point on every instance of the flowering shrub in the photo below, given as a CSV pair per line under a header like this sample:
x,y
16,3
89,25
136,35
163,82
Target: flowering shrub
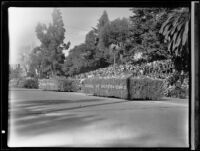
x,y
156,69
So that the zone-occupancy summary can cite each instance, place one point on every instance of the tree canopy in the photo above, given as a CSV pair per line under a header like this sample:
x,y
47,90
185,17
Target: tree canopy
x,y
152,33
52,45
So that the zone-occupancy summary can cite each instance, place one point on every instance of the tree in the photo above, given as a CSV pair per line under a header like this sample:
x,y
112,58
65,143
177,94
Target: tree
x,y
102,53
89,55
146,23
116,33
52,44
24,58
103,20
78,61
175,29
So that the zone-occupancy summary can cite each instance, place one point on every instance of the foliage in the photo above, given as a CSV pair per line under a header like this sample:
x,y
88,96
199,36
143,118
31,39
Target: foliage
x,y
48,58
89,55
67,85
176,92
156,69
176,29
145,88
30,83
146,23
115,37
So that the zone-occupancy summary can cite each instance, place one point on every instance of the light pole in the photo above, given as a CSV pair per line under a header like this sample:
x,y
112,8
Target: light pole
x,y
114,48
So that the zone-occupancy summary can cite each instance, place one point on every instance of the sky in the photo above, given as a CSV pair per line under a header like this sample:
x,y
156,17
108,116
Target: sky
x,y
77,22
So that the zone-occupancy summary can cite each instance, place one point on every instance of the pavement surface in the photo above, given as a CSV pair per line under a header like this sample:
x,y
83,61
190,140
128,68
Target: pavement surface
x,y
68,119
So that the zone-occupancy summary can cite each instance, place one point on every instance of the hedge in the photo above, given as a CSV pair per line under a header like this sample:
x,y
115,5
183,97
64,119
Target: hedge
x,y
48,84
59,84
125,88
109,87
30,83
146,88
25,82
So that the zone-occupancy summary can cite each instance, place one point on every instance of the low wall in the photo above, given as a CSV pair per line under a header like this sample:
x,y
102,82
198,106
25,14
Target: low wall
x,y
110,87
48,84
126,88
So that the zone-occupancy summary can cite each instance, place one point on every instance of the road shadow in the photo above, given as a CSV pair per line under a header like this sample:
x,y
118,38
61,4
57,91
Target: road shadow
x,y
46,116
49,102
25,108
50,124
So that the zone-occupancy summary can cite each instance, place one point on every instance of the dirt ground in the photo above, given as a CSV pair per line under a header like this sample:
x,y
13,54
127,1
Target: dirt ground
x,y
61,119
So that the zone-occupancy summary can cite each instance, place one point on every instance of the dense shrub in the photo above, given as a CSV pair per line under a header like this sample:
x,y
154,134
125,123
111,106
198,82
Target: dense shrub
x,y
145,88
158,69
177,90
67,85
30,83
176,86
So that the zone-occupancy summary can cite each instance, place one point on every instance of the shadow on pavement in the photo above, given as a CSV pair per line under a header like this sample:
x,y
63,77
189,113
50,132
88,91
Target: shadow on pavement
x,y
26,108
46,116
49,124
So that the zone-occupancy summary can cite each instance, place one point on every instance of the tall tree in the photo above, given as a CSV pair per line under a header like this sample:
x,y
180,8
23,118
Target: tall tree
x,y
52,44
116,33
146,23
102,53
103,20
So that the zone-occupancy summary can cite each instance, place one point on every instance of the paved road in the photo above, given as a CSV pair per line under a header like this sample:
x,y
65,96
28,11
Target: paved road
x,y
60,119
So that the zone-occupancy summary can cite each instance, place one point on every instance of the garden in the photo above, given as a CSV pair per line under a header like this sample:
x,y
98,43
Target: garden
x,y
143,57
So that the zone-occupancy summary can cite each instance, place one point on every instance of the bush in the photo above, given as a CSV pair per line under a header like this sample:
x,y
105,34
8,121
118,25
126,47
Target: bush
x,y
30,83
67,85
176,92
145,88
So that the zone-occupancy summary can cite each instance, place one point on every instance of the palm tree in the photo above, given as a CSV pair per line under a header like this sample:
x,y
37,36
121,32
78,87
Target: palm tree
x,y
175,29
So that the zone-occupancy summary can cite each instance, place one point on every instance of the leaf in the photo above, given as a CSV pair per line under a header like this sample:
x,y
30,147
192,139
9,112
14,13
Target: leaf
x,y
165,24
178,42
185,33
169,46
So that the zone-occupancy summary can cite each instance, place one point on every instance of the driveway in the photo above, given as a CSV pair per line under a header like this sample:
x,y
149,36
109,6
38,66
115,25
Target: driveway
x,y
62,119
